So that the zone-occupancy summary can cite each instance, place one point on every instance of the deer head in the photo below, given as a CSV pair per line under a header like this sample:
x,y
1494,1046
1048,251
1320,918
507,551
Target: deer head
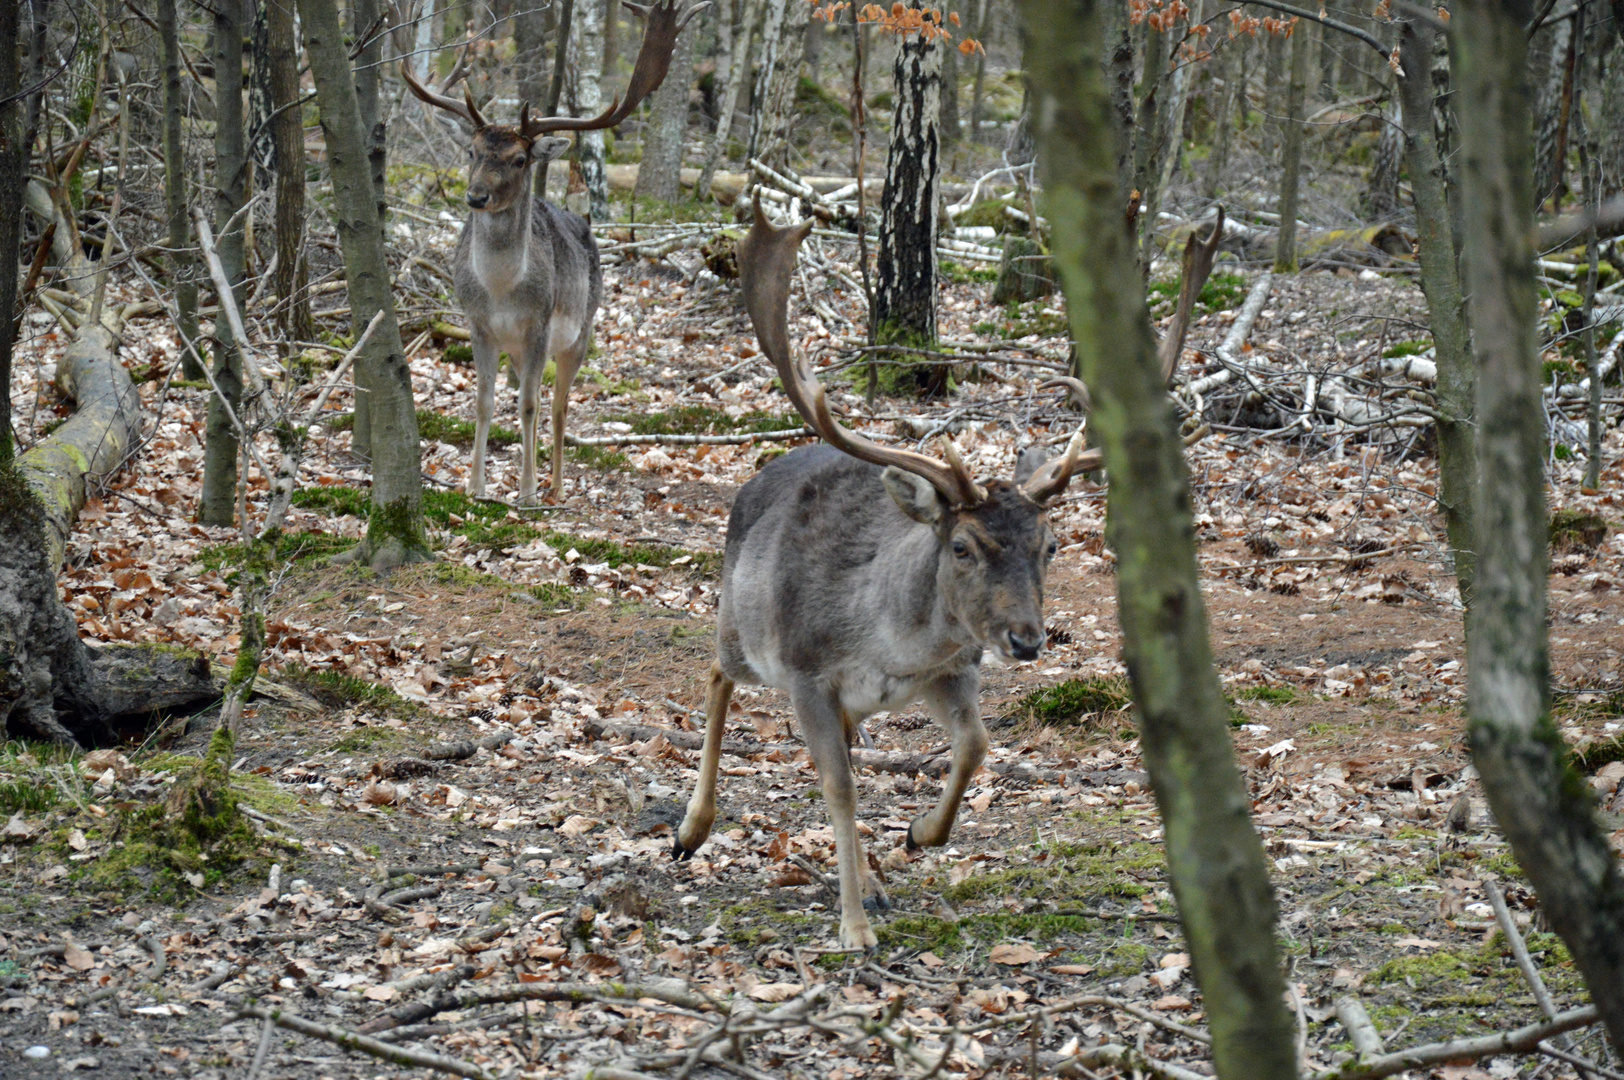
x,y
501,156
994,539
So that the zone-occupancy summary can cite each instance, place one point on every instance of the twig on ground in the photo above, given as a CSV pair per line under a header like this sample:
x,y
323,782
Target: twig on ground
x,y
350,1040
1519,952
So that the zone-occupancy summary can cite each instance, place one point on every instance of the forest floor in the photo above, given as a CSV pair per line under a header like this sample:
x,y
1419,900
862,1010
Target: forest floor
x,y
568,644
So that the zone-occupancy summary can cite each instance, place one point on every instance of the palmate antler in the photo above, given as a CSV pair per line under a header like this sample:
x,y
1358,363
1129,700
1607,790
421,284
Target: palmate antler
x,y
766,263
665,22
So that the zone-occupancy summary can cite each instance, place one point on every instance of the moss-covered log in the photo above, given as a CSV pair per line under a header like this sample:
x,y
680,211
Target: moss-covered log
x,y
95,440
1215,859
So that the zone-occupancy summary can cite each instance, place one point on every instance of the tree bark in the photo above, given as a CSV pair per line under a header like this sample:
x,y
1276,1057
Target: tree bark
x,y
1543,805
738,67
182,265
1381,194
1291,152
362,14
1440,281
1215,859
905,293
950,127
667,131
978,88
13,187
782,35
555,93
1176,103
218,501
1555,109
395,525
1223,119
588,100
293,317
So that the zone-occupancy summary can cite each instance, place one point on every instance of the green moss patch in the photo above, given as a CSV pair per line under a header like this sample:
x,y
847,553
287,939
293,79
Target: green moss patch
x,y
701,420
459,432
1273,695
290,547
1077,873
1573,530
337,690
1073,701
27,795
1220,293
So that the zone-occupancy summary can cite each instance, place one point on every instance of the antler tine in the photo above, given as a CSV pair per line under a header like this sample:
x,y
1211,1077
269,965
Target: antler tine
x,y
1079,392
766,264
1198,257
1053,475
665,22
440,101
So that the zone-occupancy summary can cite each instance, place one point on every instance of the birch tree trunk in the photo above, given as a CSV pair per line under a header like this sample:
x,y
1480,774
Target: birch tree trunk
x,y
1440,281
1545,808
1215,859
738,68
395,523
1381,195
1555,109
182,266
1291,153
905,294
588,102
658,177
13,184
783,35
1176,104
293,316
217,503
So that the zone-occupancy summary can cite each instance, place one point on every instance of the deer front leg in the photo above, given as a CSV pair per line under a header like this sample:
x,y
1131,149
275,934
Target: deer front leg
x,y
567,362
530,369
825,735
956,704
696,823
484,406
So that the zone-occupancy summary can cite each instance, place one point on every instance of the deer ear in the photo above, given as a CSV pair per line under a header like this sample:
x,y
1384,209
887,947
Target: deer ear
x,y
546,149
914,495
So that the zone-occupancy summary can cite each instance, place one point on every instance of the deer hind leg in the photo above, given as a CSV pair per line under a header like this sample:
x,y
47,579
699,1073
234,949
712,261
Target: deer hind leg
x,y
568,361
701,815
955,703
823,727
484,408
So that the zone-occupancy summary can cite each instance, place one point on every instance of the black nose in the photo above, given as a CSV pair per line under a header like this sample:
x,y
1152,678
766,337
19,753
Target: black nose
x,y
1025,644
478,201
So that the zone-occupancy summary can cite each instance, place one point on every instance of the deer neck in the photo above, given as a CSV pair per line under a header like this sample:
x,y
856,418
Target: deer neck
x,y
500,247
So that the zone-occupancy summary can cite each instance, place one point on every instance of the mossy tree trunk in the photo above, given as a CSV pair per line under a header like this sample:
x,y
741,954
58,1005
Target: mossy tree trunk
x,y
905,291
658,177
1291,152
182,266
1440,281
1543,805
218,501
395,528
13,184
365,84
287,132
1215,859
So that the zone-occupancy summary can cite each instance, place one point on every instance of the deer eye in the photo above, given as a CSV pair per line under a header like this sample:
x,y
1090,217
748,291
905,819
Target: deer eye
x,y
518,162
961,549
1053,547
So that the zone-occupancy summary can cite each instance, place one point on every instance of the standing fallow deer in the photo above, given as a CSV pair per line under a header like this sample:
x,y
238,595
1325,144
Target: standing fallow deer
x,y
525,271
858,577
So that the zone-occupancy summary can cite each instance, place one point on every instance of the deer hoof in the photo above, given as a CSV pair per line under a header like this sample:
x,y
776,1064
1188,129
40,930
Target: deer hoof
x,y
877,903
680,852
911,843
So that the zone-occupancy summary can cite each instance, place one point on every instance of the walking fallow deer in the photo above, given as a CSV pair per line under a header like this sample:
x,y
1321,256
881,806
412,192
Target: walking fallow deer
x,y
526,272
858,577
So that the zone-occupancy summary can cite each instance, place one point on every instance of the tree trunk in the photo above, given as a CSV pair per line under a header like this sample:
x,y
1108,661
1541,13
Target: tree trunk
x,y
1291,153
1223,118
293,318
588,101
1440,281
658,176
1543,805
1176,104
738,68
1555,108
979,87
395,525
555,93
950,94
261,98
363,13
530,53
13,185
781,38
1381,195
1216,863
905,295
218,501
182,266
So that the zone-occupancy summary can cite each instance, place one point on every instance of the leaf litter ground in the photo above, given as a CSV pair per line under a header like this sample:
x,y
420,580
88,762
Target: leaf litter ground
x,y
507,735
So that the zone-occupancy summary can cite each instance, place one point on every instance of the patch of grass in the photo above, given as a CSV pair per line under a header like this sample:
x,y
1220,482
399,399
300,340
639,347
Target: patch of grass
x,y
1072,873
703,420
1070,701
988,213
290,547
371,739
439,427
706,563
965,274
1406,348
27,796
983,931
1220,293
1274,695
336,500
335,689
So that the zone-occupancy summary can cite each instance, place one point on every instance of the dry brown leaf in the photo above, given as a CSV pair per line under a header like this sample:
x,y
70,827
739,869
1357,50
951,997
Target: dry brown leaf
x,y
1014,953
774,991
